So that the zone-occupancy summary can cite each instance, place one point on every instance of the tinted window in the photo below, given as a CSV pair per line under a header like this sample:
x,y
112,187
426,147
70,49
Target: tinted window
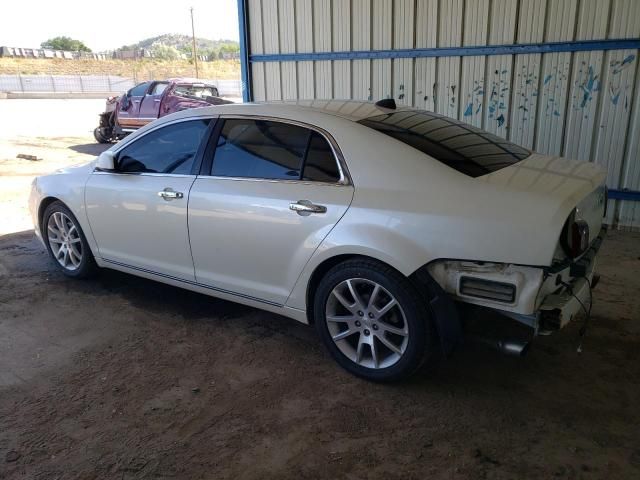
x,y
139,90
170,149
260,149
467,149
320,164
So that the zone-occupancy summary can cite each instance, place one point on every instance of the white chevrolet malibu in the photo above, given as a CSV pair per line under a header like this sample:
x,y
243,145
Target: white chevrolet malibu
x,y
370,221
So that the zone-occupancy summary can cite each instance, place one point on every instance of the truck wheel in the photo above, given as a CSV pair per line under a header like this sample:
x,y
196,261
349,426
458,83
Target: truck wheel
x,y
100,135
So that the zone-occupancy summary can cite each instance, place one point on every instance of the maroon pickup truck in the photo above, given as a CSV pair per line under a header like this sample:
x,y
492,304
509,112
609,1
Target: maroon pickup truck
x,y
150,100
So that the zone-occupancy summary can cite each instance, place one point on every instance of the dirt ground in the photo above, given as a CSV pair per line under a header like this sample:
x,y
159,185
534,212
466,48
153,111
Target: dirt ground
x,y
120,377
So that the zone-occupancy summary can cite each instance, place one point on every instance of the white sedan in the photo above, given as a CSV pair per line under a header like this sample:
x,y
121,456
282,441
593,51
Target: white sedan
x,y
370,221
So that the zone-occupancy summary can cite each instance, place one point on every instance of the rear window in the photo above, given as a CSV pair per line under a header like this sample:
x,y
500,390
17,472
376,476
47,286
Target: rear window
x,y
462,147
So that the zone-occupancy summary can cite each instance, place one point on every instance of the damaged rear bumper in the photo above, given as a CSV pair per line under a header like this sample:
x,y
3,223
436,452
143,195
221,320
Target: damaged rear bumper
x,y
542,298
577,279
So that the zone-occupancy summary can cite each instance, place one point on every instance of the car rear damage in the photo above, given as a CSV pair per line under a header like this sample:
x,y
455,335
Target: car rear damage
x,y
543,297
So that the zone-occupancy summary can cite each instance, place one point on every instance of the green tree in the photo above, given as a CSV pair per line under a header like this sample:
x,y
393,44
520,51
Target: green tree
x,y
65,43
165,52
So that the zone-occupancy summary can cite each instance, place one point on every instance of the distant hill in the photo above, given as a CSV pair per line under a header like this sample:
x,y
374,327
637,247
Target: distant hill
x,y
182,43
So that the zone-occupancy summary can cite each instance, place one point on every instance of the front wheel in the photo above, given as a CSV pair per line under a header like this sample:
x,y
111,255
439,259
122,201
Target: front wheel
x,y
102,135
66,242
372,320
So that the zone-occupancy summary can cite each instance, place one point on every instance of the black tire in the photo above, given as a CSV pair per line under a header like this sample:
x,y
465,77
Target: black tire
x,y
101,136
87,265
416,315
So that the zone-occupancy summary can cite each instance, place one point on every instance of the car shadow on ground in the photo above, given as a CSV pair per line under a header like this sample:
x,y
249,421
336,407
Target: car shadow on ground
x,y
473,362
178,308
91,148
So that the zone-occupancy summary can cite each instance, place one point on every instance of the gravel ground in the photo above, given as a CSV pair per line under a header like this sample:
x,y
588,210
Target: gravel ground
x,y
120,377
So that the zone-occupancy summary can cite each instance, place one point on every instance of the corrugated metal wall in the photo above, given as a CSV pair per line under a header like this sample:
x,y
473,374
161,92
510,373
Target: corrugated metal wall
x,y
580,104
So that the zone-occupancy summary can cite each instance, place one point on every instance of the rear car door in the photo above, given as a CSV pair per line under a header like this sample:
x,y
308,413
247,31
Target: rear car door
x,y
274,191
129,106
150,106
138,213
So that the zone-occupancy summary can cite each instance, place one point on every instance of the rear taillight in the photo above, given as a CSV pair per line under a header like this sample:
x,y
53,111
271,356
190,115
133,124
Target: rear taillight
x,y
578,238
575,236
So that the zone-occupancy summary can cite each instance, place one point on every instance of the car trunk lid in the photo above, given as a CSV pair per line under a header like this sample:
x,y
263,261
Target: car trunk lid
x,y
576,184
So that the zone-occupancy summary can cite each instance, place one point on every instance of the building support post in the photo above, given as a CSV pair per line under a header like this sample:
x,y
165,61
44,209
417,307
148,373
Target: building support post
x,y
245,71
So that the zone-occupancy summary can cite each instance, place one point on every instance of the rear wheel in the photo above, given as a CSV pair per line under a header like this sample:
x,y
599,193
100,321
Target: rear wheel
x,y
66,242
372,320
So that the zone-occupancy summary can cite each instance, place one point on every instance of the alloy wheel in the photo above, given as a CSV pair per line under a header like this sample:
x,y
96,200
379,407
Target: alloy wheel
x,y
64,240
366,323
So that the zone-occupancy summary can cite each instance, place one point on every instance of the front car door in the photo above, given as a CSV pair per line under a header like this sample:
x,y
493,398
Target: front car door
x,y
138,214
129,106
273,193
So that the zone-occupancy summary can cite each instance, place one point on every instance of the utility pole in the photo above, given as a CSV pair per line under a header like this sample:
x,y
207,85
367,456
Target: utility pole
x,y
193,36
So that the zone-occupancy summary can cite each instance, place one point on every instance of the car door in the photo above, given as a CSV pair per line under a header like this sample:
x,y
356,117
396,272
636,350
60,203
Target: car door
x,y
138,213
150,106
273,193
129,106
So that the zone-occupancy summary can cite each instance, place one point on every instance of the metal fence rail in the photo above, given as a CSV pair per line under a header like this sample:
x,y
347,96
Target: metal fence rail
x,y
64,83
89,84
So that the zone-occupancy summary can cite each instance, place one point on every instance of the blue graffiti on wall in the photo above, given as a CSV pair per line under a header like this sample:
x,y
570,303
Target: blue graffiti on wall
x,y
620,85
498,96
589,87
475,99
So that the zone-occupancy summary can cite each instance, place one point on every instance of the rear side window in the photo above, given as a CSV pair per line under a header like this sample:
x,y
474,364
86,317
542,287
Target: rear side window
x,y
320,165
272,150
171,149
159,88
462,147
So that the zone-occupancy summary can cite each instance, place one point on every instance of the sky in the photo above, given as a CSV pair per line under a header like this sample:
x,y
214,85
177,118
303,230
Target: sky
x,y
109,24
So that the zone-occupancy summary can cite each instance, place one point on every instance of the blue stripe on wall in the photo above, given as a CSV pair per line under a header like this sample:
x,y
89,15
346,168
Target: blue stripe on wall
x,y
577,46
631,195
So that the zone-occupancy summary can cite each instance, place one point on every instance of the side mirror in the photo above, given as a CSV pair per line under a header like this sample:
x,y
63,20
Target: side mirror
x,y
106,162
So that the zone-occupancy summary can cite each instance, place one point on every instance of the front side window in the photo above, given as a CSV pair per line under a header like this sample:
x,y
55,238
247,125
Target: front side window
x,y
139,90
462,147
171,149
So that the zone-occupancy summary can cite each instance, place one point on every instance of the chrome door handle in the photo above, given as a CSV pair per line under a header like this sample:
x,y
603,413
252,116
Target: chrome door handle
x,y
169,194
305,207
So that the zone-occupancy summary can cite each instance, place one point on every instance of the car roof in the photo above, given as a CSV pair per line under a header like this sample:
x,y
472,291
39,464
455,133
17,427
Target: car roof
x,y
349,109
353,110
